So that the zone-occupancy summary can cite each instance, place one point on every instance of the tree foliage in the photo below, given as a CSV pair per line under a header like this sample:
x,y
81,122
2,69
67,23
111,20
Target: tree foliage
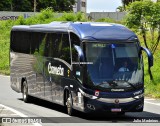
x,y
64,5
5,5
45,3
28,5
144,18
21,5
120,9
125,3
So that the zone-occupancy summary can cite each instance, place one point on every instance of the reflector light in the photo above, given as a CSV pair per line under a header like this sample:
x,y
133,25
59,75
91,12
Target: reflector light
x,y
96,93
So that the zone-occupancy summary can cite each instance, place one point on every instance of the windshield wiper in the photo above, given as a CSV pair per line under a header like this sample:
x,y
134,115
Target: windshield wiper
x,y
132,85
104,82
122,81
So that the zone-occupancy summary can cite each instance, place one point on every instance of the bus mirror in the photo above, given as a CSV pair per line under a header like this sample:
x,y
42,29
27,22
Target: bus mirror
x,y
80,53
150,56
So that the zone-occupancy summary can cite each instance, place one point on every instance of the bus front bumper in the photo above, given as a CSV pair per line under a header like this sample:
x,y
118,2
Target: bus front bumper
x,y
114,105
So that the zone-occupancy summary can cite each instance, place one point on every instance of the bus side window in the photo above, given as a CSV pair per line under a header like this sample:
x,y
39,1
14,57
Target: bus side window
x,y
64,47
20,41
75,58
48,45
74,41
57,46
36,41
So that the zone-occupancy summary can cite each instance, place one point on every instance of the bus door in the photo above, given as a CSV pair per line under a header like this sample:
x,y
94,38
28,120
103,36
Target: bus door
x,y
78,66
77,71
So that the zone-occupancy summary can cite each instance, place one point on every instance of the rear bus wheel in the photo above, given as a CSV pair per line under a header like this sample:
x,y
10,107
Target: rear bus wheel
x,y
25,92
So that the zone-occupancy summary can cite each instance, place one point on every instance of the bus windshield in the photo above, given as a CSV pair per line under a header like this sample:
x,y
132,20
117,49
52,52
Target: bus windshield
x,y
118,65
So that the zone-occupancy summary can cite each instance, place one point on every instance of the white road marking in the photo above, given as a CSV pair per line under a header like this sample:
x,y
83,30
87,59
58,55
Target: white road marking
x,y
3,108
149,99
18,113
5,76
9,114
13,110
158,104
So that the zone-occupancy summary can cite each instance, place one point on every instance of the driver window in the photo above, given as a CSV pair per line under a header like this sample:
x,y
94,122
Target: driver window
x,y
74,41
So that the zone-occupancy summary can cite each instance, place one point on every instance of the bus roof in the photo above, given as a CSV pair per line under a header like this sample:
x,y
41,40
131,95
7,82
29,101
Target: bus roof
x,y
85,30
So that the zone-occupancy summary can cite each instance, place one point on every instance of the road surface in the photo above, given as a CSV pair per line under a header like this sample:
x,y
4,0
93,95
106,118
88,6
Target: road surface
x,y
13,106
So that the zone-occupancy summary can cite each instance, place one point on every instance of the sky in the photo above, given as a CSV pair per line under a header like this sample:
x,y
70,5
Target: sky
x,y
102,5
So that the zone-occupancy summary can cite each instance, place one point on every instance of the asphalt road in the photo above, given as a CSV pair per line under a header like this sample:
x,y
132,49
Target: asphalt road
x,y
56,115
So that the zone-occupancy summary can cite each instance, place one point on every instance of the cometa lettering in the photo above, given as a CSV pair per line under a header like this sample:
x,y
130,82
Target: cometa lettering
x,y
55,70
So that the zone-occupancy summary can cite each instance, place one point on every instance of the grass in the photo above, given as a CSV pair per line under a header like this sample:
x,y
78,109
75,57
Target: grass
x,y
4,50
152,88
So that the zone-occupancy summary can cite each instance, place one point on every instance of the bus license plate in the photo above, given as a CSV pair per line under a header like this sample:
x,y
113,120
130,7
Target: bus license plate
x,y
116,110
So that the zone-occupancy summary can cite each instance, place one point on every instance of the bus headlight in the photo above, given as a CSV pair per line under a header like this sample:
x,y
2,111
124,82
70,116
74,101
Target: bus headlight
x,y
87,95
139,96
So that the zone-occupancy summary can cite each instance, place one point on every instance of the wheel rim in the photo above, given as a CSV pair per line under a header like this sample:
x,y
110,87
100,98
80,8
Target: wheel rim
x,y
24,93
69,105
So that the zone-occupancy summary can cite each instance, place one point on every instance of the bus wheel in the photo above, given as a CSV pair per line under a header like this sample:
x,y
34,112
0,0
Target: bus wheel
x,y
25,92
69,104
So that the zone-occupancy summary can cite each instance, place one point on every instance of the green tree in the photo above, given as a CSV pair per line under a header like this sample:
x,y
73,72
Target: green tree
x,y
144,17
56,5
42,4
5,5
64,5
127,2
28,5
120,9
21,5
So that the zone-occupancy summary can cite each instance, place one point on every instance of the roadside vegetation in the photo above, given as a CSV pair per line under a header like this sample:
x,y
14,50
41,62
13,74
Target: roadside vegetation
x,y
144,19
46,16
152,87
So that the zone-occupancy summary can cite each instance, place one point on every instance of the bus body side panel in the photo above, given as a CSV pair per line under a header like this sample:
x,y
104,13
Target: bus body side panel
x,y
37,86
49,92
53,87
14,70
29,68
25,64
21,70
57,81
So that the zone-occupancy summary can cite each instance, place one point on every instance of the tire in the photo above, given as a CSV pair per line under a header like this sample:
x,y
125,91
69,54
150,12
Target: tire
x,y
25,92
69,104
140,110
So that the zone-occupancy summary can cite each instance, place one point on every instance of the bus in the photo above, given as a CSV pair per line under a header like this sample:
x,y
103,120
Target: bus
x,y
85,66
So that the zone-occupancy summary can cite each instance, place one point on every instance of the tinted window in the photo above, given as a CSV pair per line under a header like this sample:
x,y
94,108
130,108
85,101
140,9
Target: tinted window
x,y
45,44
57,46
74,41
20,42
118,63
64,48
36,40
126,51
